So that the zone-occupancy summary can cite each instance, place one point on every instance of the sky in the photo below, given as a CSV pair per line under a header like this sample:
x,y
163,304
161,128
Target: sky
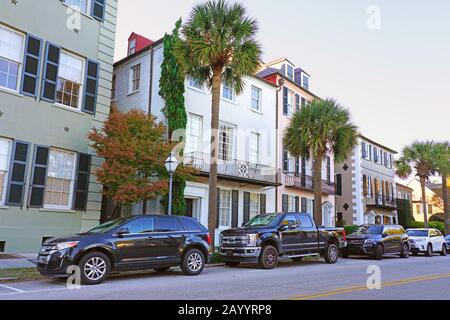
x,y
388,61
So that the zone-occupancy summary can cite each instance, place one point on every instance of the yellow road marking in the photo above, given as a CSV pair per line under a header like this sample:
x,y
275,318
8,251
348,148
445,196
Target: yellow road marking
x,y
323,294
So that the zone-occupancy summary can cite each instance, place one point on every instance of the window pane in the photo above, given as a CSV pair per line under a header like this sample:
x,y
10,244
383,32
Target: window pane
x,y
4,157
142,225
254,148
8,74
80,5
70,67
59,178
254,205
11,45
226,143
194,133
225,208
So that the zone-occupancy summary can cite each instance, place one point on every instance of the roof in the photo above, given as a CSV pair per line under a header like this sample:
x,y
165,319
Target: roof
x,y
378,144
404,187
137,53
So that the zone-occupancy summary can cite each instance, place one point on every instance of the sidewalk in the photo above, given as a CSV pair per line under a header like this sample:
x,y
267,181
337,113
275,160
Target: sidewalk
x,y
17,261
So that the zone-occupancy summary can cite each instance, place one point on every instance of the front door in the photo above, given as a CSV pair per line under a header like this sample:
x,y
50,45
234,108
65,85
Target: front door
x,y
290,238
189,207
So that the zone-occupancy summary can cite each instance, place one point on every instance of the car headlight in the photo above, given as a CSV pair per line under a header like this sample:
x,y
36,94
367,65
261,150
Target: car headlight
x,y
253,239
67,245
369,241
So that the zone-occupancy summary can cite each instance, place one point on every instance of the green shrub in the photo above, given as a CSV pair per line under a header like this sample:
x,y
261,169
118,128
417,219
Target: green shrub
x,y
433,224
350,229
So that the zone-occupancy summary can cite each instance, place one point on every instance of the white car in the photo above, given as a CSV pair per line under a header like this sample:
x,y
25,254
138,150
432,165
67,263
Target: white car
x,y
427,241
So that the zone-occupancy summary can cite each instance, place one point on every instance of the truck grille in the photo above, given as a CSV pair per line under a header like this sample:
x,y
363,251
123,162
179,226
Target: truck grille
x,y
47,250
234,241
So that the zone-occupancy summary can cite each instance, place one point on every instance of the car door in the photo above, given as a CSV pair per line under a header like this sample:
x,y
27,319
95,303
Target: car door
x,y
397,235
169,237
308,234
290,238
137,247
436,240
388,239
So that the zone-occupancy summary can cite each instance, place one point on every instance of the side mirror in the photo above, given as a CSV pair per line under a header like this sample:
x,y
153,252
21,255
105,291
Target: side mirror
x,y
123,231
384,235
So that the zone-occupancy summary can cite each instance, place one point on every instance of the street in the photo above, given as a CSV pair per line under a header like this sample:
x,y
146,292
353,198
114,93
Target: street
x,y
414,278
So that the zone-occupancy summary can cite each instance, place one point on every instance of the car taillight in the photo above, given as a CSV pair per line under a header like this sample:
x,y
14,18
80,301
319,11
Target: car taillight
x,y
344,235
209,239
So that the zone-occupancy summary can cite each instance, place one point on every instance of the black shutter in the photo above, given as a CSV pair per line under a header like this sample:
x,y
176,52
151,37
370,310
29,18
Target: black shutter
x,y
51,66
16,183
304,205
30,73
40,163
363,150
297,102
339,184
285,161
263,204
235,209
297,166
329,169
297,204
246,207
98,9
91,87
82,182
285,203
285,101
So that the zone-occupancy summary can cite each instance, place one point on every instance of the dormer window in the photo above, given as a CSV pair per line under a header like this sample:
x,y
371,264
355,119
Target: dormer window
x,y
305,82
132,48
290,72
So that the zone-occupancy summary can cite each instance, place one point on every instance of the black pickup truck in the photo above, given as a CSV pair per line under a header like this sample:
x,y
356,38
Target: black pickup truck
x,y
268,237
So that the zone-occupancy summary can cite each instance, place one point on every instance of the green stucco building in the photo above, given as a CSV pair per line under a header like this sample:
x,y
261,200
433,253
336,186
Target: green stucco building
x,y
56,61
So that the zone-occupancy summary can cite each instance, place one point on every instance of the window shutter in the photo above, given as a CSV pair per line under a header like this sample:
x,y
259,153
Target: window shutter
x,y
363,149
30,72
329,169
285,203
16,183
82,182
246,207
40,164
285,161
235,209
297,204
297,102
303,102
339,184
285,101
91,87
304,205
297,166
98,9
263,204
51,66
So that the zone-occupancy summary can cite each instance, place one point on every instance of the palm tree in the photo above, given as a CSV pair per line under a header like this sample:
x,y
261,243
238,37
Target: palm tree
x,y
218,46
321,128
442,162
418,157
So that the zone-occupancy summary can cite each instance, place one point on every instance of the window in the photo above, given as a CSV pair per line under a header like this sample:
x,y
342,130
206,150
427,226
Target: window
x,y
305,221
144,225
132,47
365,150
292,204
291,163
70,75
290,103
227,93
194,132
167,224
290,72
135,78
254,148
290,218
194,84
11,50
254,205
224,208
113,88
305,82
256,98
80,5
5,150
60,179
226,142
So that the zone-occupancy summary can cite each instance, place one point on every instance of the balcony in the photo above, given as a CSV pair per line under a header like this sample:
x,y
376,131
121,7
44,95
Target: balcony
x,y
381,202
305,182
235,170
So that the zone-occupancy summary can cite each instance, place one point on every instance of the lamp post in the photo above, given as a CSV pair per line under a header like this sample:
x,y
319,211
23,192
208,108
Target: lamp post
x,y
171,166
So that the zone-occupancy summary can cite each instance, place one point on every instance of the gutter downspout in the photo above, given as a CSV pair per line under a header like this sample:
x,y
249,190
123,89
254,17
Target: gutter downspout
x,y
280,86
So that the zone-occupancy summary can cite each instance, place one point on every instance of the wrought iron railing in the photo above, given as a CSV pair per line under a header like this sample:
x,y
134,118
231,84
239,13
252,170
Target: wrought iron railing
x,y
306,182
381,201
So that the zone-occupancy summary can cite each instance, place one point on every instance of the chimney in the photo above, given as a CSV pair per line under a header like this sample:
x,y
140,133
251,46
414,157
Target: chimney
x,y
137,42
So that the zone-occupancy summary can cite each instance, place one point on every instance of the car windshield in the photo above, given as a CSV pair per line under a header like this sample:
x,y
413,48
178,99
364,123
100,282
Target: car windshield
x,y
369,230
417,233
262,220
106,227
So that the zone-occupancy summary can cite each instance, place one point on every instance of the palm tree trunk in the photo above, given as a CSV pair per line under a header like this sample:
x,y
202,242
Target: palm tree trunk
x,y
317,176
446,205
215,114
424,202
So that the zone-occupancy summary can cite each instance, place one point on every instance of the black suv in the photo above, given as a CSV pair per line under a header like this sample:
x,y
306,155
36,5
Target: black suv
x,y
376,240
138,243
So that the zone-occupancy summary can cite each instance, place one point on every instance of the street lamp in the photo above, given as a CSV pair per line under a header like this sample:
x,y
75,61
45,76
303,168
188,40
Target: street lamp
x,y
171,166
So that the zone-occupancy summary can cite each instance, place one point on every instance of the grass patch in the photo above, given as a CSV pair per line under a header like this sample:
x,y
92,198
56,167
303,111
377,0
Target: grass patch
x,y
28,274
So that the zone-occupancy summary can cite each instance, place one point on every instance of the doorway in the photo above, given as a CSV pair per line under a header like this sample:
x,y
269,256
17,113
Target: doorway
x,y
193,208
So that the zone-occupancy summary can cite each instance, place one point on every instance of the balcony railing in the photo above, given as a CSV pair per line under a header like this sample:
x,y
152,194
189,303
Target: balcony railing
x,y
236,170
381,201
306,182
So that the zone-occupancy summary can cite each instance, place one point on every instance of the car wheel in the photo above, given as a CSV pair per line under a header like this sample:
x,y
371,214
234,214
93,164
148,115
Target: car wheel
x,y
379,252
95,268
298,259
444,250
405,251
429,251
331,254
268,258
162,269
232,264
193,262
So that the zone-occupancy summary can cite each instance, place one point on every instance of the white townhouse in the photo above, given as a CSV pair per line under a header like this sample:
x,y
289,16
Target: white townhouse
x,y
247,145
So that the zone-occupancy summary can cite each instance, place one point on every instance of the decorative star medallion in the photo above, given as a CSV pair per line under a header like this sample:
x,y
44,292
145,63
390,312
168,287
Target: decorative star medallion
x,y
14,2
66,129
346,206
77,31
1,113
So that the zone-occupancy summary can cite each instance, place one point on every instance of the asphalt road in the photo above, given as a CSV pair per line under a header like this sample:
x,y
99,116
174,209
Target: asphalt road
x,y
415,278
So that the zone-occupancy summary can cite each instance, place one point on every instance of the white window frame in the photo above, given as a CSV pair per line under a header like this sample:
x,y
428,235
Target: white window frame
x,y
291,163
72,182
77,8
83,75
233,95
291,203
232,143
255,205
132,49
113,87
8,169
287,71
189,134
20,67
304,76
221,207
258,100
191,84
132,78
255,148
290,103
